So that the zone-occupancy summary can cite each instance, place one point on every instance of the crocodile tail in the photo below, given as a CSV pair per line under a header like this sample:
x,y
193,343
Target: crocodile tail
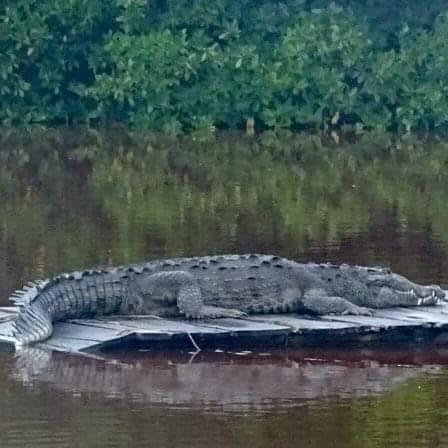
x,y
66,296
32,324
46,301
34,321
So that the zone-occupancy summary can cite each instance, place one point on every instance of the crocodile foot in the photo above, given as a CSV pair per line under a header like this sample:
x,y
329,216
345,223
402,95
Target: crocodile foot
x,y
214,312
356,310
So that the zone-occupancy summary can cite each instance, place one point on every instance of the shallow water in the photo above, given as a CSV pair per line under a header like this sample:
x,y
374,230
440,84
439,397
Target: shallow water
x,y
74,198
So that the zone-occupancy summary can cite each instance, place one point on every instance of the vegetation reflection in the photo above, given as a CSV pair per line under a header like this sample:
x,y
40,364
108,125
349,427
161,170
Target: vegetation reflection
x,y
73,199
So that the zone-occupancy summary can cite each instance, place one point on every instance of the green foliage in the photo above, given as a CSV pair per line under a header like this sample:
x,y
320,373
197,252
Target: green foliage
x,y
46,51
148,73
181,65
315,70
413,82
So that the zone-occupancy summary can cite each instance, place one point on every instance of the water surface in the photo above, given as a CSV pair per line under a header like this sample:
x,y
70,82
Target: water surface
x,y
77,198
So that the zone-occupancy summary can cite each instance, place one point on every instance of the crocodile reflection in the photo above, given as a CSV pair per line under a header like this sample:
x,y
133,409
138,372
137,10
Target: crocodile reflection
x,y
213,380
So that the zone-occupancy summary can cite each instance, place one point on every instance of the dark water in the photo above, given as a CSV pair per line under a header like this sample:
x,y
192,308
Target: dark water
x,y
74,198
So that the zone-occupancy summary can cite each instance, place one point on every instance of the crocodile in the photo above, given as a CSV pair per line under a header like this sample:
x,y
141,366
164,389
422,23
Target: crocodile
x,y
212,287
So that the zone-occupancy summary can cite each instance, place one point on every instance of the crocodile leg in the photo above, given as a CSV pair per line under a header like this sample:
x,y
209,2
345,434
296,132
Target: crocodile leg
x,y
319,302
190,303
184,289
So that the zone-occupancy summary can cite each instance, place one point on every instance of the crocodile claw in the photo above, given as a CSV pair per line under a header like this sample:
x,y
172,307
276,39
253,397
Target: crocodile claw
x,y
358,311
214,312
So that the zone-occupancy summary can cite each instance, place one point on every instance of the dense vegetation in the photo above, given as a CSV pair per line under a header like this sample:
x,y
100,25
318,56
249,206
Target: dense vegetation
x,y
176,65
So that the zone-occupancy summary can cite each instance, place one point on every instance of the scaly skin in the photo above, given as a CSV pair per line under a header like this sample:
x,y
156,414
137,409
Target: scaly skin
x,y
212,287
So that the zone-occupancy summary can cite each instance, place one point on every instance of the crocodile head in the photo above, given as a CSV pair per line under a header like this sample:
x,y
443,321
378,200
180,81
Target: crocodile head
x,y
430,294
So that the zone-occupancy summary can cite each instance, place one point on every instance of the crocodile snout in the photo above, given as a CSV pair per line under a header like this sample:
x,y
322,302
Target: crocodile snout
x,y
430,295
425,292
398,283
437,291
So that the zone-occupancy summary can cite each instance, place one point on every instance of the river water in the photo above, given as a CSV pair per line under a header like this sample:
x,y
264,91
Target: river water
x,y
72,198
